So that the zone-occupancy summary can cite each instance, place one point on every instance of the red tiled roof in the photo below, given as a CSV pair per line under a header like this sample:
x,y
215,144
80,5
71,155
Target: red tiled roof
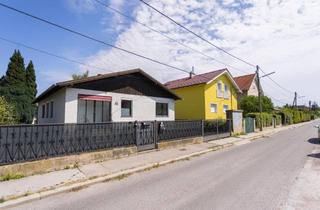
x,y
244,82
195,80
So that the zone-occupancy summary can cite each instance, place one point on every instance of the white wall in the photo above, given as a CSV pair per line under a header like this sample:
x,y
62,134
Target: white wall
x,y
58,99
253,90
143,107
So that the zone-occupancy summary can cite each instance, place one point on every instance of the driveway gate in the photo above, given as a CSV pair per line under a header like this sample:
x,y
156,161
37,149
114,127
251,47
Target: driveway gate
x,y
249,125
145,135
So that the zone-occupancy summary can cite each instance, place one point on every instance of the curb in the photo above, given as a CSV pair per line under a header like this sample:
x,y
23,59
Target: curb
x,y
119,175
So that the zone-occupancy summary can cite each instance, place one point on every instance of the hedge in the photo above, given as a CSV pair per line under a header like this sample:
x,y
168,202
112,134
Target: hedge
x,y
265,117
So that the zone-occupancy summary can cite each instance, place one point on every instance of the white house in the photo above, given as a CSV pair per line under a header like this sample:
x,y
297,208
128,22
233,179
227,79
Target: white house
x,y
116,97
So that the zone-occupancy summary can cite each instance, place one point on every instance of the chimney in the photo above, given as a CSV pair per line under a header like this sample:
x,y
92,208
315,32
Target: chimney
x,y
192,74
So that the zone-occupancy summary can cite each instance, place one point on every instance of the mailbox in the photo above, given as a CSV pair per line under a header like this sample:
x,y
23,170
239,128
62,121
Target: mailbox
x,y
145,125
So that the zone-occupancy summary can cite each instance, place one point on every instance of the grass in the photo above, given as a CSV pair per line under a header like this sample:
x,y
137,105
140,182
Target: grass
x,y
2,200
8,177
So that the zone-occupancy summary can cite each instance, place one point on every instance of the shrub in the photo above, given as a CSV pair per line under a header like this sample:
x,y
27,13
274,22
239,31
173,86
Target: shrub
x,y
265,117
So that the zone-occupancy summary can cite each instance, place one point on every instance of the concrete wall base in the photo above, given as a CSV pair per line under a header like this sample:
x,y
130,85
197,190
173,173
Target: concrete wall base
x,y
179,142
59,163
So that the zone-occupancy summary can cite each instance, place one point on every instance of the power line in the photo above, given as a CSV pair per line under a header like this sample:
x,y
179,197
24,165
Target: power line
x,y
51,54
217,47
166,36
87,37
280,86
197,35
90,37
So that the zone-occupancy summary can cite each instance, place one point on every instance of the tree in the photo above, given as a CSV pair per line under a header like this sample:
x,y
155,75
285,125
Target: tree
x,y
1,81
7,112
31,80
14,88
80,76
250,104
31,90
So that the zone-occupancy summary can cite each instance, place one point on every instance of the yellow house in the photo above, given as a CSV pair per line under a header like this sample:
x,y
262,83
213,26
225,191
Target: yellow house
x,y
205,96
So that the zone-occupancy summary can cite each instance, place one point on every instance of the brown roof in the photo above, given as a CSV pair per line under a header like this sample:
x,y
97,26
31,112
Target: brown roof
x,y
245,81
195,80
53,88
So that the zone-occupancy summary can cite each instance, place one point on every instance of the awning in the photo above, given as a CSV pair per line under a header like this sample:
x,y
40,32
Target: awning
x,y
94,97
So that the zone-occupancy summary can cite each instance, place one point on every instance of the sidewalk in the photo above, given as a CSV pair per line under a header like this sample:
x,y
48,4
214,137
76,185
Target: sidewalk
x,y
34,187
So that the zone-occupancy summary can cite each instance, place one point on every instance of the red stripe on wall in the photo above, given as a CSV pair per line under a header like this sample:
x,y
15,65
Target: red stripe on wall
x,y
94,97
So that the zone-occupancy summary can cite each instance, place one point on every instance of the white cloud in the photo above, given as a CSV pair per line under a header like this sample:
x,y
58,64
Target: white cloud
x,y
281,36
81,6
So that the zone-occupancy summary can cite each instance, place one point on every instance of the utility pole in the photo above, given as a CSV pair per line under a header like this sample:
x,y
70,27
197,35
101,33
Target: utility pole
x,y
259,96
295,103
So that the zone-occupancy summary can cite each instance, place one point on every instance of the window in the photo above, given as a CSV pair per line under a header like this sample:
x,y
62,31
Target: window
x,y
219,91
162,110
226,91
126,108
91,111
43,111
47,110
51,109
213,108
225,108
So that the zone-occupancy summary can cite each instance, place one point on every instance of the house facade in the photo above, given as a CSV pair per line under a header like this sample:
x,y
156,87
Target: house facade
x,y
117,97
248,85
205,96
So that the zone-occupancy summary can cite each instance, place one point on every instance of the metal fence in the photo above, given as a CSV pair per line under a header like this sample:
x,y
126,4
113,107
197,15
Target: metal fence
x,y
31,142
169,130
214,129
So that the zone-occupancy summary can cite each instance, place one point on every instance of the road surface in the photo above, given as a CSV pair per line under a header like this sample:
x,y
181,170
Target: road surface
x,y
252,176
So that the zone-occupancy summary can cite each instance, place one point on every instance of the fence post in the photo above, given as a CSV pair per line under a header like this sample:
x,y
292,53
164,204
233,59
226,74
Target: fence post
x,y
155,130
135,125
202,127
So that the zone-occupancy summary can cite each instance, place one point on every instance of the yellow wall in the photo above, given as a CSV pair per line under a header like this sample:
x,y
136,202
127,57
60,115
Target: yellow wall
x,y
196,100
211,97
192,104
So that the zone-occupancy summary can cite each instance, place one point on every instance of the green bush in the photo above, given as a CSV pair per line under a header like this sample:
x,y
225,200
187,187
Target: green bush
x,y
278,119
266,119
293,116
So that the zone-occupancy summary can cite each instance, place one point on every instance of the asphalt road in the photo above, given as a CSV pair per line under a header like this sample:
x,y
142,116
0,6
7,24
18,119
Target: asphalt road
x,y
252,176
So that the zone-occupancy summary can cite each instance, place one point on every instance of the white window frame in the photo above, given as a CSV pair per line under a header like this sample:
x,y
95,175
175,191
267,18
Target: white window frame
x,y
166,115
216,108
226,91
219,90
131,114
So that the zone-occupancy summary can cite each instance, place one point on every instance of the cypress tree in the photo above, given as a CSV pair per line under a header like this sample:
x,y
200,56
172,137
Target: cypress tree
x,y
15,74
31,89
13,86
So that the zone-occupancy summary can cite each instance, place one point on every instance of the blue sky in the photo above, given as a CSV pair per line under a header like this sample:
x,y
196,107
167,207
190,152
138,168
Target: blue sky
x,y
281,36
22,29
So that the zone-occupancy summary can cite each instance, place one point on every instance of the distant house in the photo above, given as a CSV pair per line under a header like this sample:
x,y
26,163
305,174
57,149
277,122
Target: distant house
x,y
248,85
205,96
122,96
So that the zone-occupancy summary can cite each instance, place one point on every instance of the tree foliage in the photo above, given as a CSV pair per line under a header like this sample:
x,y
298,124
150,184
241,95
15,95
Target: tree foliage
x,y
7,112
80,76
18,87
250,104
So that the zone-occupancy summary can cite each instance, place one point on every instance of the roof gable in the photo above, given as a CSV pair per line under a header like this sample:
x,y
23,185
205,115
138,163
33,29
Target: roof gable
x,y
245,81
195,80
135,82
205,78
